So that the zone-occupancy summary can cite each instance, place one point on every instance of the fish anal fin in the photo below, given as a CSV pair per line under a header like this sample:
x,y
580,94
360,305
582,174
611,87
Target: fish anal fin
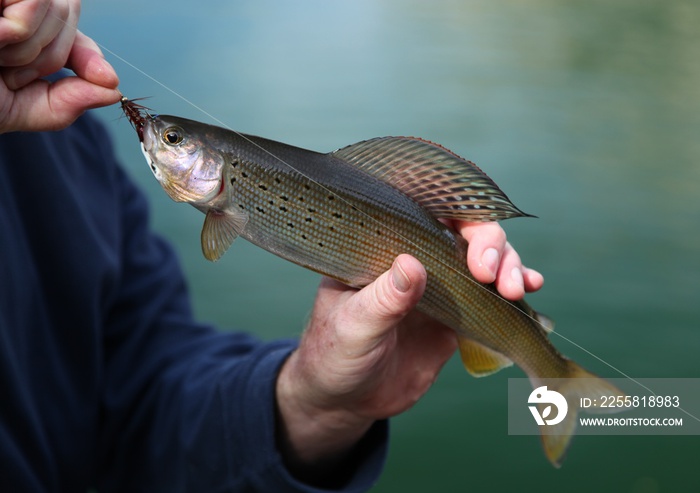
x,y
479,360
220,229
445,184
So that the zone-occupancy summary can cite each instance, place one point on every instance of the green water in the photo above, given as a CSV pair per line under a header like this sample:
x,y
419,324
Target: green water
x,y
586,113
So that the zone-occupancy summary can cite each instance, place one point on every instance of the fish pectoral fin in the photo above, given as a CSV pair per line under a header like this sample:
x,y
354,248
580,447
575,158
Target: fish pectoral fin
x,y
479,360
219,230
445,184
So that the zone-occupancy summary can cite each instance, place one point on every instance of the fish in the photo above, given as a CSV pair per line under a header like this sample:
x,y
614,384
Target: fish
x,y
349,213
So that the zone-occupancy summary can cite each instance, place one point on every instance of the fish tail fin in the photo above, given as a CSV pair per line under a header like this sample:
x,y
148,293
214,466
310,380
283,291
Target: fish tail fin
x,y
576,384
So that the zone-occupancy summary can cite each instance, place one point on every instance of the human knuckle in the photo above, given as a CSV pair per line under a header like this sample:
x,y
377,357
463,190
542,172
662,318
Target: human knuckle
x,y
385,303
501,235
51,65
19,55
19,33
62,10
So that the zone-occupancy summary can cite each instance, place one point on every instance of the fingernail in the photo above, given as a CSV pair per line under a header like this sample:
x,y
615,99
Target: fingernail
x,y
24,77
107,72
517,275
400,279
490,259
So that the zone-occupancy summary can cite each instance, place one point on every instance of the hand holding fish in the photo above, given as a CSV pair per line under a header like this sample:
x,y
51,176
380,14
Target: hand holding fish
x,y
38,38
368,355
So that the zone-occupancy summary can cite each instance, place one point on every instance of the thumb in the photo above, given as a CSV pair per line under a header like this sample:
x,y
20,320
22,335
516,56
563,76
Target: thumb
x,y
382,304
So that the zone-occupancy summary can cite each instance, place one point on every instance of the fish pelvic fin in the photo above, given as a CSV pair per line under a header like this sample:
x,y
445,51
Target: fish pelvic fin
x,y
445,184
575,385
479,360
220,229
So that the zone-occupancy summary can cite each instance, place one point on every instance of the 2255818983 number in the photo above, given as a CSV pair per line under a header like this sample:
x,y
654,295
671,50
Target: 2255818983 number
x,y
639,401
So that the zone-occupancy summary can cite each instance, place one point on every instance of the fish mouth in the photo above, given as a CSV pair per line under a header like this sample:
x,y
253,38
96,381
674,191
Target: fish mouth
x,y
146,135
148,143
150,162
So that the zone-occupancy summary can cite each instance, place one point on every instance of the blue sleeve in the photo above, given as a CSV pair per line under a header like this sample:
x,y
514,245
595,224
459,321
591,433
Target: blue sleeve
x,y
106,379
184,407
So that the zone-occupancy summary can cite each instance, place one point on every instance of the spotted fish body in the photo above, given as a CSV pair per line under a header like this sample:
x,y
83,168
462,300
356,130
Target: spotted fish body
x,y
348,214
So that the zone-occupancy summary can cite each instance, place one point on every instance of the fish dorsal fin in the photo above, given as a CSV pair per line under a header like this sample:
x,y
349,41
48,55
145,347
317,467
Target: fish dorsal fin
x,y
439,180
479,360
219,230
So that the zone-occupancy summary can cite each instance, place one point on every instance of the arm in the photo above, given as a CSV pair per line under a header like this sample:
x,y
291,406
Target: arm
x,y
38,38
178,393
366,355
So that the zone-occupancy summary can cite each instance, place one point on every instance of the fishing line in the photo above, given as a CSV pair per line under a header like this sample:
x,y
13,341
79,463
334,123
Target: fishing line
x,y
369,217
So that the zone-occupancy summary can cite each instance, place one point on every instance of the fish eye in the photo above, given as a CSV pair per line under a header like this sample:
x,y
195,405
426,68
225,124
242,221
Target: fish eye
x,y
173,136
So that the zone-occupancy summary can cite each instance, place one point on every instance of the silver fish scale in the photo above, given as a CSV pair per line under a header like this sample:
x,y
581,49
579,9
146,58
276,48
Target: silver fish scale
x,y
319,228
322,229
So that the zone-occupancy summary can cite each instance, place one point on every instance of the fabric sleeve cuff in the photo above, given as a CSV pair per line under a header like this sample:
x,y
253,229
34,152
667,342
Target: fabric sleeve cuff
x,y
250,423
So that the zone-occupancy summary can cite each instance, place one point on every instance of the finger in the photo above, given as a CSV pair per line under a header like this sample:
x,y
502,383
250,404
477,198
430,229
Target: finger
x,y
487,243
55,29
88,63
21,19
377,308
510,280
72,96
43,106
533,280
50,59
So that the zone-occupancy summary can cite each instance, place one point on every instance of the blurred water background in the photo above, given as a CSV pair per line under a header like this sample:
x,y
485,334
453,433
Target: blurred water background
x,y
587,114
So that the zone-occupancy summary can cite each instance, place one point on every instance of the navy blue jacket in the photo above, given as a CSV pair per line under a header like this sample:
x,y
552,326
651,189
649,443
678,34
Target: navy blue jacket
x,y
106,381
